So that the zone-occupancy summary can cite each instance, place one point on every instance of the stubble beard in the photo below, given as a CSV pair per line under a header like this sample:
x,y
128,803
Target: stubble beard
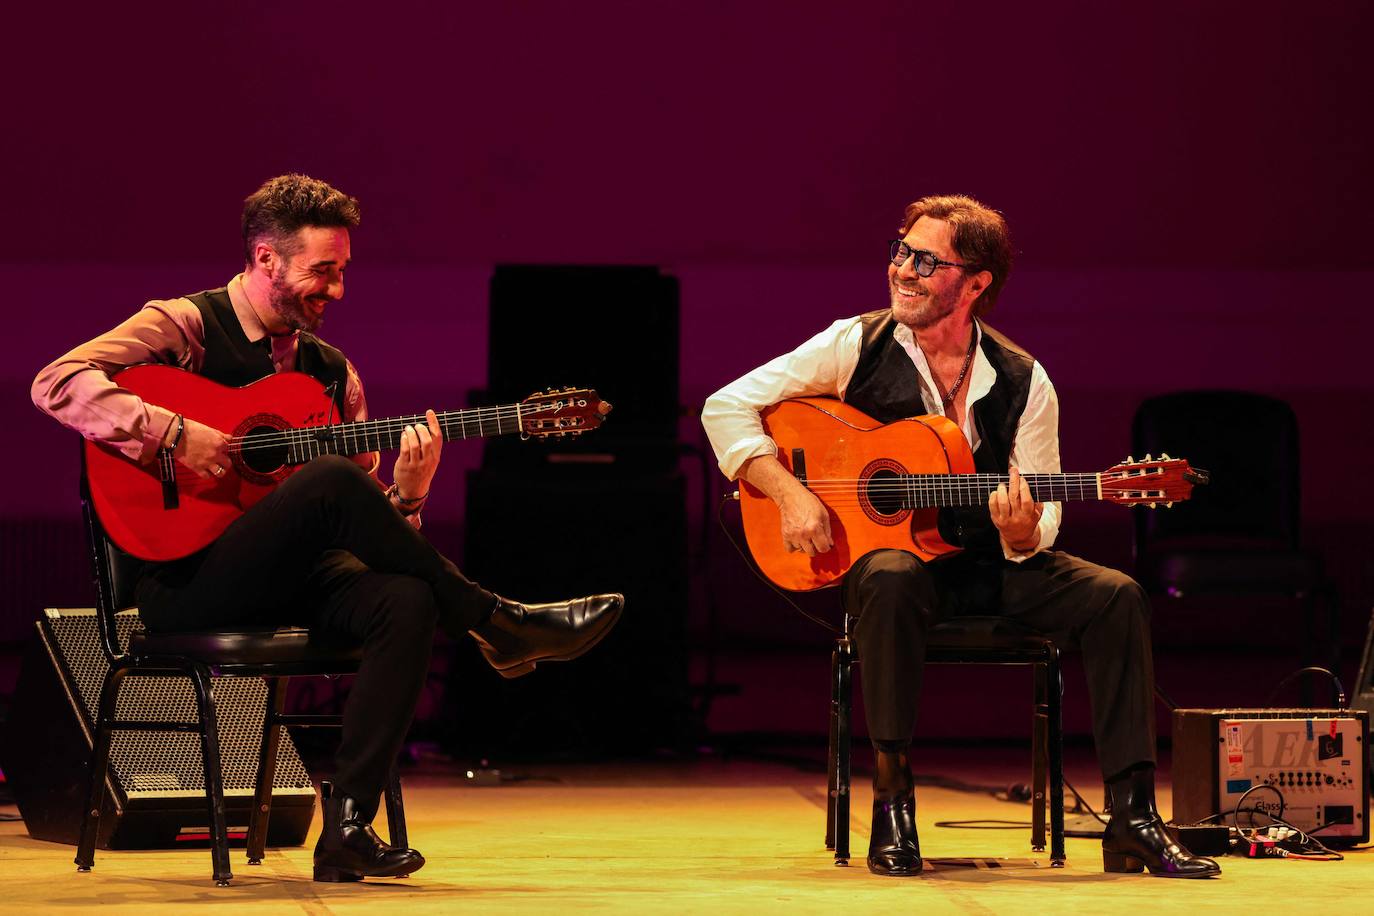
x,y
290,308
925,310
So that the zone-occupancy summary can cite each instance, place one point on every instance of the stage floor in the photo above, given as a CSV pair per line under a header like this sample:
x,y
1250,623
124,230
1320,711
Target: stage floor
x,y
676,837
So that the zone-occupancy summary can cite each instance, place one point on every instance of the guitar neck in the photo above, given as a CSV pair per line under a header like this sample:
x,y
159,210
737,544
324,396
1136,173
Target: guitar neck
x,y
929,491
360,436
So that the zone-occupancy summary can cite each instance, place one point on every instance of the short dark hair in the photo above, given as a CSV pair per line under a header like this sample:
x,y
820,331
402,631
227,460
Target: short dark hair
x,y
286,204
980,237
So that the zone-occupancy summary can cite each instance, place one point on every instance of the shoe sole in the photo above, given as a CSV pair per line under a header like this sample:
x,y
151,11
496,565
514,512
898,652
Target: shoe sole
x,y
1119,863
328,874
523,668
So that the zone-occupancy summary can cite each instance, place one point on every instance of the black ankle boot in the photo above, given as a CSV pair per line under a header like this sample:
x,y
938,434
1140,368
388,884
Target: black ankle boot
x,y
519,635
893,848
1135,838
350,850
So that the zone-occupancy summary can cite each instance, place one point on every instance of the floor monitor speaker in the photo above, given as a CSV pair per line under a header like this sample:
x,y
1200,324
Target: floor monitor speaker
x,y
157,787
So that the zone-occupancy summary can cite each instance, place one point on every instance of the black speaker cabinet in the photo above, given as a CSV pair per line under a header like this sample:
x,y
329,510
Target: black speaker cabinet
x,y
541,537
157,788
612,328
1362,696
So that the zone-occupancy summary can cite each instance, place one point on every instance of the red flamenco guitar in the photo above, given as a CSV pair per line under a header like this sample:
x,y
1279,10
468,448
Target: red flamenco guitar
x,y
884,486
163,511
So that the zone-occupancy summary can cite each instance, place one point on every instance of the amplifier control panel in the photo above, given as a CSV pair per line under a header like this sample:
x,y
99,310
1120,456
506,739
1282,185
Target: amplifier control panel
x,y
1317,765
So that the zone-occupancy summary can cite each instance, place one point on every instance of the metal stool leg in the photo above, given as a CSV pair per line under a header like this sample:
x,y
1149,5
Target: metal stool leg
x,y
1056,749
842,746
261,815
1039,736
832,750
396,809
99,766
214,782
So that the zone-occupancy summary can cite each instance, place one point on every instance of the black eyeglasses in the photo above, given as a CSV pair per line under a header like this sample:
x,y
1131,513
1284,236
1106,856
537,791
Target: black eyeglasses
x,y
899,251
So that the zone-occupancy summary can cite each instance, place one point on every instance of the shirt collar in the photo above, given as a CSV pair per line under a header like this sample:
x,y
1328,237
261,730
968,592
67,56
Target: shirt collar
x,y
253,327
981,374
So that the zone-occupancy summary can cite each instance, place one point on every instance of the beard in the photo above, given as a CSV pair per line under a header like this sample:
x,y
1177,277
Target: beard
x,y
289,306
925,310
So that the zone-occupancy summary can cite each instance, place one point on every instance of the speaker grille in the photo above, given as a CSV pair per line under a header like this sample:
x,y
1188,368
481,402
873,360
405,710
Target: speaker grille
x,y
169,763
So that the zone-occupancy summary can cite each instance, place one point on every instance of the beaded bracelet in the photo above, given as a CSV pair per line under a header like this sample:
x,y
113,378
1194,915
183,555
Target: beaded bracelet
x,y
406,507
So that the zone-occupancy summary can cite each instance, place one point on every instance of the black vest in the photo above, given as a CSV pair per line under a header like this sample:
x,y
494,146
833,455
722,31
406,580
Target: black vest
x,y
231,360
886,386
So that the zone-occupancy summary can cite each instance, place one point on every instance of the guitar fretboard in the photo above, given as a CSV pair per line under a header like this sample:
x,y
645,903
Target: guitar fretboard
x,y
359,436
929,491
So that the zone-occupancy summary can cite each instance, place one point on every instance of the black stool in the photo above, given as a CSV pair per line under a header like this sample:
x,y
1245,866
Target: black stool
x,y
273,654
963,641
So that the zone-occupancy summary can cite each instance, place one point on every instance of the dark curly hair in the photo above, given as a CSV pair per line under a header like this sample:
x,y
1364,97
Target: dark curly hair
x,y
980,239
286,204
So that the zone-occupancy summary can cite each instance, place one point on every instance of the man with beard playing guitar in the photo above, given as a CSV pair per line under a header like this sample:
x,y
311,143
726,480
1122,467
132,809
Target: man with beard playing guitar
x,y
330,548
929,353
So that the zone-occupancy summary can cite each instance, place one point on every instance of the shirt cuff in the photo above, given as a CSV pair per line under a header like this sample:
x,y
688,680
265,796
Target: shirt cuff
x,y
155,430
752,447
1021,556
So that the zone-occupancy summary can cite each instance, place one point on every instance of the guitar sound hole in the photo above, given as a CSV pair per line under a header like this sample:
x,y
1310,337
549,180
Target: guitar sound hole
x,y
265,449
884,492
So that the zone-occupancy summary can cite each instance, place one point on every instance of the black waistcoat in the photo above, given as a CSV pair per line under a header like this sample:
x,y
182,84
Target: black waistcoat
x,y
886,386
231,360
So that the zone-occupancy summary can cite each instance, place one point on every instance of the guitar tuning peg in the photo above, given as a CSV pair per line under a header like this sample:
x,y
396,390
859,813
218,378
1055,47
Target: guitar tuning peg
x,y
1153,505
1169,504
1129,460
1163,456
1148,457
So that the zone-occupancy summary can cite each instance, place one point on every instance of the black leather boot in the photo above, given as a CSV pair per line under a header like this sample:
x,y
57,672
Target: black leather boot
x,y
893,848
350,850
1135,838
520,635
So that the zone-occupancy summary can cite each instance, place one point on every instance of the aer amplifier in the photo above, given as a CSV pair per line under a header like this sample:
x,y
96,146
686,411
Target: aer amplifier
x,y
1314,757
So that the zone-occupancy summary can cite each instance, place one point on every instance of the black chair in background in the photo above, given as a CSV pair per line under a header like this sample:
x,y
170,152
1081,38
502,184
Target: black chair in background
x,y
274,654
963,641
1239,535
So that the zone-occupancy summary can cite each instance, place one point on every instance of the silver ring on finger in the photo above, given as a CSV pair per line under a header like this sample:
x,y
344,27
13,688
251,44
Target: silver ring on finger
x,y
218,471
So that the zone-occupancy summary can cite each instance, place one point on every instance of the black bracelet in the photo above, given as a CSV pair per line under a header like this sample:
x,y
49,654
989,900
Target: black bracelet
x,y
176,440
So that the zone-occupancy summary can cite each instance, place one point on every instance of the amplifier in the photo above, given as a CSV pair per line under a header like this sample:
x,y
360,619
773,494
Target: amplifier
x,y
157,785
1314,757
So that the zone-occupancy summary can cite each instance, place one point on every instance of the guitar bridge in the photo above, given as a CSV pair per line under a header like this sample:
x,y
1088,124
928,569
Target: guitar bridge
x,y
799,464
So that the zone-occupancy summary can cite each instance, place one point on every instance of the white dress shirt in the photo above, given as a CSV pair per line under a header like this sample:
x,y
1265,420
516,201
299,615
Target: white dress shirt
x,y
823,366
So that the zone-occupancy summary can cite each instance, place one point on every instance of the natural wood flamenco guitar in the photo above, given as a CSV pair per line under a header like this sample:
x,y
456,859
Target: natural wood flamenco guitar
x,y
163,510
884,485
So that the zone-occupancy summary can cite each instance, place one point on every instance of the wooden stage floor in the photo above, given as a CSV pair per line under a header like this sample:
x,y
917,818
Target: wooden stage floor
x,y
697,837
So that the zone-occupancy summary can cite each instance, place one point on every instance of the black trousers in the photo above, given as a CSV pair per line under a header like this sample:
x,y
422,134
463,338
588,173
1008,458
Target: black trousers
x,y
1078,604
327,550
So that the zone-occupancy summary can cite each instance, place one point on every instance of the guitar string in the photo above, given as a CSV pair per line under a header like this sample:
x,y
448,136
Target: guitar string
x,y
355,430
955,481
448,418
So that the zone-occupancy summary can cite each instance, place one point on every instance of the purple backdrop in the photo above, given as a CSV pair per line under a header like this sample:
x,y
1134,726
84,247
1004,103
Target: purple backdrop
x,y
1188,185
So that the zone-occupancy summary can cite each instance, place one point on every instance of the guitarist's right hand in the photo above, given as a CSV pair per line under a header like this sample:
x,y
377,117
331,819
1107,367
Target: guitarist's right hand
x,y
805,522
203,449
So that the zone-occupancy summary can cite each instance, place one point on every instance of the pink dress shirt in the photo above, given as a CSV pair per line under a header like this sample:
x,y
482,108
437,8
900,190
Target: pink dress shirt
x,y
76,388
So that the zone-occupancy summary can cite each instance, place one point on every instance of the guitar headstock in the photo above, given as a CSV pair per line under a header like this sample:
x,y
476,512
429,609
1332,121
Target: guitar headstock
x,y
562,412
1151,481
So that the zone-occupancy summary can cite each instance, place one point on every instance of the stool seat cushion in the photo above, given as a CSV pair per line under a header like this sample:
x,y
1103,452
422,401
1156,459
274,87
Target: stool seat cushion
x,y
248,646
980,632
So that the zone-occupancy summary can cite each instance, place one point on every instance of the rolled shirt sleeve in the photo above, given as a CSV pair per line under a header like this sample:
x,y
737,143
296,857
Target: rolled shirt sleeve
x,y
822,366
76,389
1036,451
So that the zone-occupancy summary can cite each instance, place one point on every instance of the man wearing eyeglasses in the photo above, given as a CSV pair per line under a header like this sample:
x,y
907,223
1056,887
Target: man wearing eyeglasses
x,y
929,352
